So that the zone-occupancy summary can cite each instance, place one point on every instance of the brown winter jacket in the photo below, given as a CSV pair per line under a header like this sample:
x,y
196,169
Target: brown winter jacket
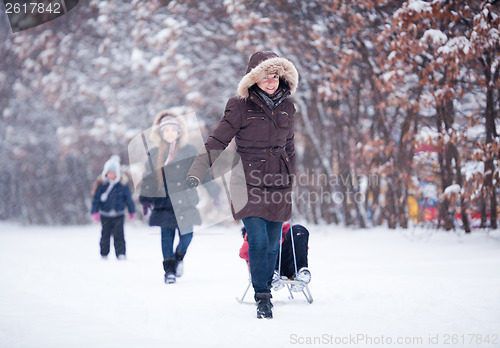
x,y
261,183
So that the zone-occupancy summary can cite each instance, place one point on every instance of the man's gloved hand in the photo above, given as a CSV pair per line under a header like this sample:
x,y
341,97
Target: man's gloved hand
x,y
192,182
96,217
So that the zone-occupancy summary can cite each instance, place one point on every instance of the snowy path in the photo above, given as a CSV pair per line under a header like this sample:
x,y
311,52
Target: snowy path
x,y
376,285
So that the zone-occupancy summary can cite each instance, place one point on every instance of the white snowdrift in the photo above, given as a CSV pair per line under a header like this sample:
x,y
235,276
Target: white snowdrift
x,y
370,288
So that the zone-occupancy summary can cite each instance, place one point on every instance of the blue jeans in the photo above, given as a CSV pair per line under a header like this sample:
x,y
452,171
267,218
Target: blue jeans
x,y
263,238
167,242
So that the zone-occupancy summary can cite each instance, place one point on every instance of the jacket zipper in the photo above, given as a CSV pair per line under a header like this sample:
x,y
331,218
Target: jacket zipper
x,y
255,118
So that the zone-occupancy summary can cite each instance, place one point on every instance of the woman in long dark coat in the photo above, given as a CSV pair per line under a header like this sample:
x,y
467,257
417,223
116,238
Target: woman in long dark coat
x,y
261,119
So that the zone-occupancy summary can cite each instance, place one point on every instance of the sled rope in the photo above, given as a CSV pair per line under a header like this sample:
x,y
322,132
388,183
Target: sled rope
x,y
293,250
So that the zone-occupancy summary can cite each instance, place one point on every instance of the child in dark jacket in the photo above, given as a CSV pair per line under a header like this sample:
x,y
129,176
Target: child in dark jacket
x,y
163,190
111,195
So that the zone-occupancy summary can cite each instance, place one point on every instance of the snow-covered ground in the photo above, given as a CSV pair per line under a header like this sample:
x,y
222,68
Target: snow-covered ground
x,y
371,288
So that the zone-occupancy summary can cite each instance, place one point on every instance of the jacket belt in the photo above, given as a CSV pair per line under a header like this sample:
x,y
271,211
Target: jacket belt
x,y
271,150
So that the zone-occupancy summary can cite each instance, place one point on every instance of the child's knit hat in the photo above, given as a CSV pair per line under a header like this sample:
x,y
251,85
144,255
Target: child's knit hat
x,y
112,165
170,121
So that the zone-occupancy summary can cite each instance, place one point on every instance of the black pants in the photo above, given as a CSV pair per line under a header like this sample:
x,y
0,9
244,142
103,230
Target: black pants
x,y
112,226
301,239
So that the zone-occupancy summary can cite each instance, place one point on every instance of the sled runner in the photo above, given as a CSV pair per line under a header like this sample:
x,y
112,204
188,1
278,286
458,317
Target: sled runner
x,y
288,283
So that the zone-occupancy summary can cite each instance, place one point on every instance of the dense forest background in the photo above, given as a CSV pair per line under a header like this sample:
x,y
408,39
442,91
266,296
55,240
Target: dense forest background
x,y
397,105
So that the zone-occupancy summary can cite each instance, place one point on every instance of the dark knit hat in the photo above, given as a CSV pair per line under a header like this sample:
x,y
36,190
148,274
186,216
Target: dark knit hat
x,y
258,58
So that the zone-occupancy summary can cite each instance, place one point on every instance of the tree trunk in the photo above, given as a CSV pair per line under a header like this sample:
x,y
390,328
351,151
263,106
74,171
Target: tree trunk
x,y
344,173
491,134
391,204
444,124
483,207
405,158
463,208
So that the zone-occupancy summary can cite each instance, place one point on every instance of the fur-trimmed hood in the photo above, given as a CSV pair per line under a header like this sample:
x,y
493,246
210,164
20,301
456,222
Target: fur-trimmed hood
x,y
155,131
263,63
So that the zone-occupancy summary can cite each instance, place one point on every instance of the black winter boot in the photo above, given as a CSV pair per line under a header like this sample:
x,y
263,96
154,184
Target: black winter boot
x,y
179,264
169,267
264,305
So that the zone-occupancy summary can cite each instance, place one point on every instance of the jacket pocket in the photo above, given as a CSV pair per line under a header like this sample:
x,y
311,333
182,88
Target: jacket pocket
x,y
269,174
278,174
283,127
254,172
256,128
283,120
